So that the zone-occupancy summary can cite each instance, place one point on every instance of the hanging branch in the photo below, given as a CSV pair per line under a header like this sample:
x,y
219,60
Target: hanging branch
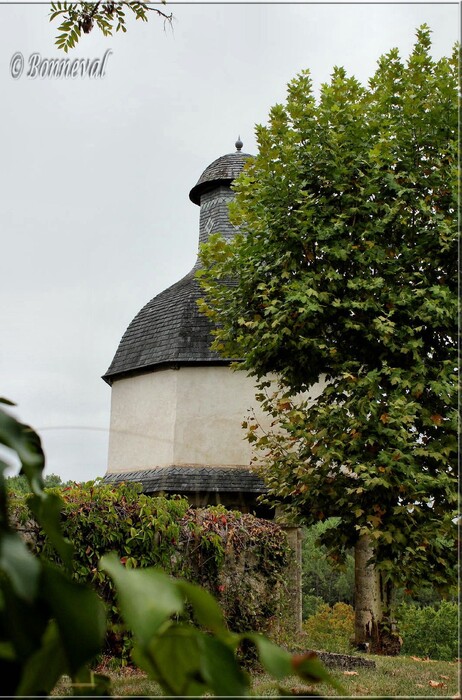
x,y
107,16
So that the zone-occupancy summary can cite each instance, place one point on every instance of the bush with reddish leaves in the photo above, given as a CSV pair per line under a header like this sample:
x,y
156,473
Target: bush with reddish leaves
x,y
239,558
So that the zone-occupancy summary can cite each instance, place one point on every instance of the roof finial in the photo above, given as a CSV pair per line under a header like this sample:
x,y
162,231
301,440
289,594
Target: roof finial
x,y
238,143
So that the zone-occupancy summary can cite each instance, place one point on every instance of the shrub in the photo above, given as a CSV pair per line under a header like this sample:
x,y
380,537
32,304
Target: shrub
x,y
239,558
430,631
331,628
311,605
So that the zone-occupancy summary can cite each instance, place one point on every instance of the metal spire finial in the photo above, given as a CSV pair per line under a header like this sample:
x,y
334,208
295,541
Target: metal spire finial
x,y
238,143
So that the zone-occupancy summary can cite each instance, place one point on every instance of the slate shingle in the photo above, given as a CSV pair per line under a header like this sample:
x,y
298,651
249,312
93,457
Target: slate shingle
x,y
222,171
192,479
169,330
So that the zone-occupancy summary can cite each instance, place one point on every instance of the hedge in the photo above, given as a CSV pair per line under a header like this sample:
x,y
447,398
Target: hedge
x,y
241,559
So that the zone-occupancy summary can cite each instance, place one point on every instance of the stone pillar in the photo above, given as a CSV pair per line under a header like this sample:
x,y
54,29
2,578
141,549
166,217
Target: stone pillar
x,y
294,576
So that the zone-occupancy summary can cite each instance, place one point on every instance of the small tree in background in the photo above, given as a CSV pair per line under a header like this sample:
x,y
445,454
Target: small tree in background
x,y
19,484
345,267
324,578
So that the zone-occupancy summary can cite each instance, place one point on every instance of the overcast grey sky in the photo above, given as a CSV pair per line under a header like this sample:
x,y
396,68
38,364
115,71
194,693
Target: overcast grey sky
x,y
95,218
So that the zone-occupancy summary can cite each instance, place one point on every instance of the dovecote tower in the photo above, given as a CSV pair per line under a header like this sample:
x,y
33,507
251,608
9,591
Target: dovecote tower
x,y
177,407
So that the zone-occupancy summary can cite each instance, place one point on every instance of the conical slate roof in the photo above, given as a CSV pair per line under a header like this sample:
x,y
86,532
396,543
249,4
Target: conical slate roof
x,y
169,330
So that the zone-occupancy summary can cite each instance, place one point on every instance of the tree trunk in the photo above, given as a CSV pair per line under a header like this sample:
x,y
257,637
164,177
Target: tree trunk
x,y
375,629
368,608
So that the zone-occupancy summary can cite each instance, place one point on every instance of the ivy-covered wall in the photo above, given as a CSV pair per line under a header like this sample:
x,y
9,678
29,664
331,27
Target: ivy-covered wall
x,y
241,559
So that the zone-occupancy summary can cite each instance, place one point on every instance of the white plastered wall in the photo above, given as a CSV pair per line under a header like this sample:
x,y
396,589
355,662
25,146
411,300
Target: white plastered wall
x,y
212,402
142,421
188,416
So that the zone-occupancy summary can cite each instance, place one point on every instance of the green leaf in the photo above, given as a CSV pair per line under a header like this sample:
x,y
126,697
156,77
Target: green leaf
x,y
21,567
79,614
221,670
26,443
276,661
206,609
174,659
7,651
309,667
47,509
279,663
44,668
7,402
147,597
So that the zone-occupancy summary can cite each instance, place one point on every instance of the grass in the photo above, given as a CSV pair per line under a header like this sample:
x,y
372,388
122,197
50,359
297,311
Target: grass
x,y
393,677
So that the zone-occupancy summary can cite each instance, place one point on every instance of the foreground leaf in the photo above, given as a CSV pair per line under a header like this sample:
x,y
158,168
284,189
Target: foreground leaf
x,y
276,661
47,509
220,668
147,597
206,609
174,659
21,567
280,664
79,614
26,443
44,668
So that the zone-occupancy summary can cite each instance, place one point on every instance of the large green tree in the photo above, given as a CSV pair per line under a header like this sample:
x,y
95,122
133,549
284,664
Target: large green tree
x,y
345,269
